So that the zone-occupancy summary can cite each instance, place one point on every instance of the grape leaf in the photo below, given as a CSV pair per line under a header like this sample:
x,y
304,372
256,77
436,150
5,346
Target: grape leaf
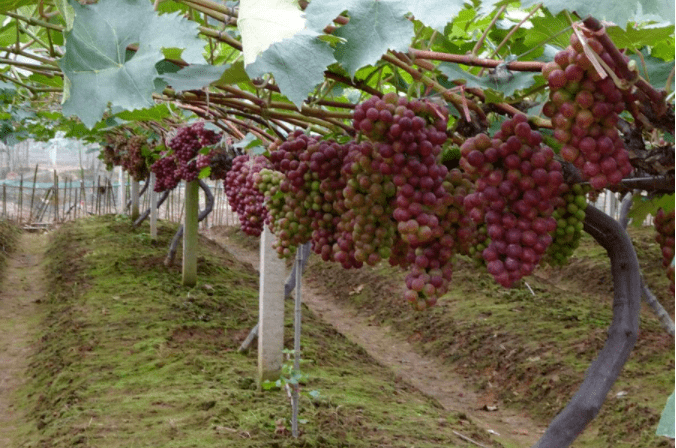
x,y
658,70
10,5
548,28
380,23
611,10
636,38
502,81
234,74
320,13
156,113
297,64
265,22
67,13
435,13
95,63
194,76
643,206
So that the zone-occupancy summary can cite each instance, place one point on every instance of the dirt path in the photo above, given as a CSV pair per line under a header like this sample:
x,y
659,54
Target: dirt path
x,y
426,374
22,285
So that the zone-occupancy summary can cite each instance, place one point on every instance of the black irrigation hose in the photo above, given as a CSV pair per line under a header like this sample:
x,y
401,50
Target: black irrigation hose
x,y
622,334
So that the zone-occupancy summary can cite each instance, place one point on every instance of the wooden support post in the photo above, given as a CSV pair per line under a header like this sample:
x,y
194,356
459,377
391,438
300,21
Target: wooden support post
x,y
35,179
190,231
271,310
153,207
4,201
134,200
98,195
56,197
20,199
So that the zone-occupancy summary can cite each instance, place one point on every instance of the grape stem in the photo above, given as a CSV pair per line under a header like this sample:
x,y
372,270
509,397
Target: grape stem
x,y
622,334
517,66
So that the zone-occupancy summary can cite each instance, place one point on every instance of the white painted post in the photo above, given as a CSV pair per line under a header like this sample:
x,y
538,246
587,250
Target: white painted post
x,y
122,191
271,309
153,207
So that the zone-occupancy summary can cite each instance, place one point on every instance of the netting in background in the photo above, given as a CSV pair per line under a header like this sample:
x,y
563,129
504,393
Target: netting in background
x,y
46,182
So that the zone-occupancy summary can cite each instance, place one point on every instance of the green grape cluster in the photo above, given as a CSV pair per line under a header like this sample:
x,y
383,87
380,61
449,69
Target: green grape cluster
x,y
569,215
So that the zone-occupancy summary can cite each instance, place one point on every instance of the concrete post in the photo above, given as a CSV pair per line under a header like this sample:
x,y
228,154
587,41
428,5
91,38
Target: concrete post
x,y
271,307
122,191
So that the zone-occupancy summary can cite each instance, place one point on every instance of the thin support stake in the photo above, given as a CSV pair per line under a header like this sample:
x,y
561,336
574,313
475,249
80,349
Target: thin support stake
x,y
296,340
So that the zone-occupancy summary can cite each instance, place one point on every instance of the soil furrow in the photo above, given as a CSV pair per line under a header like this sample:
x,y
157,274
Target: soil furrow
x,y
22,288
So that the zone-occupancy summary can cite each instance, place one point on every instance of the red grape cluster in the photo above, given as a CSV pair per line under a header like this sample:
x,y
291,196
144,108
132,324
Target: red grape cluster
x,y
128,153
515,196
184,162
243,195
584,110
664,225
408,136
569,215
305,163
365,231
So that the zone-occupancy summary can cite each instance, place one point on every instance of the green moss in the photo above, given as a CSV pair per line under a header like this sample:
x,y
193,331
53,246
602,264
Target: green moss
x,y
129,358
533,347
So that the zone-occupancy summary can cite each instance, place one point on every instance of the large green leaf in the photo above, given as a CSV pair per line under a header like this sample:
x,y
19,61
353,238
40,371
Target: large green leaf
x,y
550,29
619,12
374,27
297,64
265,22
156,113
95,63
634,37
435,13
381,23
233,74
194,77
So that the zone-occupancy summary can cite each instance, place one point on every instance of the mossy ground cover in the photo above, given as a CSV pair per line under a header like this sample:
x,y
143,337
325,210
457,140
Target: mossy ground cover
x,y
9,234
127,357
531,349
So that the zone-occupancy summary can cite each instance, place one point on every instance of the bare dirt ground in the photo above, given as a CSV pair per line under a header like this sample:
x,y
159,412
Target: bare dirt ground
x,y
428,375
22,287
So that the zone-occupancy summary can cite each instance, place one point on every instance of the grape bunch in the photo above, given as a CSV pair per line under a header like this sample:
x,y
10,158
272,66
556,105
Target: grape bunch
x,y
366,230
221,161
664,225
584,111
133,160
407,138
111,153
244,197
184,161
291,219
569,215
516,190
